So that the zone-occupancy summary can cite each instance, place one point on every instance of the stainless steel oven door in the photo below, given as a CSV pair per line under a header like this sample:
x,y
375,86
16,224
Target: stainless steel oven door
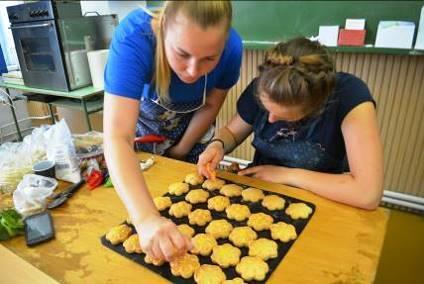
x,y
39,54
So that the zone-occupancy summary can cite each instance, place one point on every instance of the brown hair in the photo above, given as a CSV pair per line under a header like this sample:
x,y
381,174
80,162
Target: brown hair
x,y
203,13
299,72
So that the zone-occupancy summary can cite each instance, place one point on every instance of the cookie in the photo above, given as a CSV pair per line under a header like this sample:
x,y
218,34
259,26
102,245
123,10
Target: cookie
x,y
263,248
219,228
154,261
252,268
242,236
184,265
180,209
218,203
162,202
273,202
197,196
178,188
213,184
298,211
186,230
194,179
260,221
209,274
231,190
200,217
203,244
132,244
226,255
236,280
118,234
283,232
237,212
252,194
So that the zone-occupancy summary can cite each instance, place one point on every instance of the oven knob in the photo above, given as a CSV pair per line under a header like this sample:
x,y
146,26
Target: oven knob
x,y
45,13
31,14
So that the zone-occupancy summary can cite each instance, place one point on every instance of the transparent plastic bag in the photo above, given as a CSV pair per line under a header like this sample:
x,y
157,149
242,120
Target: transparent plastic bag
x,y
32,193
61,150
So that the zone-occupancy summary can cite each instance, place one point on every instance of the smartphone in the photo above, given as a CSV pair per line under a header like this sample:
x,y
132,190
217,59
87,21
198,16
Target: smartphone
x,y
38,228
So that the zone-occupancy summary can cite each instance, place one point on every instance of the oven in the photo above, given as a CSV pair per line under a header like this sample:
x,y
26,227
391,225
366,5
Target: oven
x,y
49,40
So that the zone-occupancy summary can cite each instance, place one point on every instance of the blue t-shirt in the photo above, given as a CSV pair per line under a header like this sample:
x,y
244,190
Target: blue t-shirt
x,y
323,131
129,70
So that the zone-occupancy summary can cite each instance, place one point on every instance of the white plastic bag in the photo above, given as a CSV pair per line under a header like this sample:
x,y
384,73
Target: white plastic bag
x,y
32,193
61,150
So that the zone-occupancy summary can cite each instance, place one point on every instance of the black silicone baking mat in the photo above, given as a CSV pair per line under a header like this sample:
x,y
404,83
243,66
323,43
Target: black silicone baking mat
x,y
255,207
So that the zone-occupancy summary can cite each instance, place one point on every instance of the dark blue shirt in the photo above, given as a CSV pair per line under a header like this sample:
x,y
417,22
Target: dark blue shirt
x,y
322,132
129,70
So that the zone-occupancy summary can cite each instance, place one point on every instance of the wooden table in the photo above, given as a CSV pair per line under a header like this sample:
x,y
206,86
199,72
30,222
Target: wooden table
x,y
340,244
83,97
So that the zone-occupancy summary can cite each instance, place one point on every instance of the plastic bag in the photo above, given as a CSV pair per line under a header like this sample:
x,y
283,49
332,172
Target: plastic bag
x,y
61,150
32,193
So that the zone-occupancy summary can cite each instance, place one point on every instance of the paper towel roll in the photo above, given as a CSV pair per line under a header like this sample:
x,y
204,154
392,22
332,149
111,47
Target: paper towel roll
x,y
97,61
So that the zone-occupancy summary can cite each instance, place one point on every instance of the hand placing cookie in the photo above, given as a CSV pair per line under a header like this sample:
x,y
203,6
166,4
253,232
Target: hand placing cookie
x,y
160,239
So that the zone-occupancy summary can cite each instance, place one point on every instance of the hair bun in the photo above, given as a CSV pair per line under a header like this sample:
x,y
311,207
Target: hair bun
x,y
276,59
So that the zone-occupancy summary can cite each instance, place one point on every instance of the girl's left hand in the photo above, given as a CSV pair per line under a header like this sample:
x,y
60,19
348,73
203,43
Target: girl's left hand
x,y
277,174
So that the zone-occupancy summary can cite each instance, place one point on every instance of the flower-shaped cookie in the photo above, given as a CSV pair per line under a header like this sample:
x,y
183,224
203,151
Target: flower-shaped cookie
x,y
197,196
236,280
219,228
203,244
118,234
226,255
209,274
184,265
132,244
186,230
298,211
154,261
213,184
260,221
162,202
199,217
218,203
178,188
283,232
194,179
237,212
252,194
273,202
252,268
180,209
231,190
263,248
242,236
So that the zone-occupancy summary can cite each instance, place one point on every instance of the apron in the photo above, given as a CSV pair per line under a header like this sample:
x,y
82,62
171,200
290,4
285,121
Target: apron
x,y
293,148
157,117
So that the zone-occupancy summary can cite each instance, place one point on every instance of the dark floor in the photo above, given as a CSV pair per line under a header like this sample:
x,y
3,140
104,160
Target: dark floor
x,y
403,250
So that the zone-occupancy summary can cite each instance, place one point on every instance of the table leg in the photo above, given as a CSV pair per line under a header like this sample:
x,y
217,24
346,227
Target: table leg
x,y
18,130
87,118
52,114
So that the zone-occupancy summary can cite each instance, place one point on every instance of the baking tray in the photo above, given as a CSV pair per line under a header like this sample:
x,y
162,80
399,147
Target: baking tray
x,y
255,207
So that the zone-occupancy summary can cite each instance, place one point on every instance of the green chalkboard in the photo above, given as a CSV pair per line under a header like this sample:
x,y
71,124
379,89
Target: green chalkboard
x,y
262,22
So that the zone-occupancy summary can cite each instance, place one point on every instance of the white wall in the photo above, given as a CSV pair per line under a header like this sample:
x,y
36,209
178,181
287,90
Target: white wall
x,y
121,8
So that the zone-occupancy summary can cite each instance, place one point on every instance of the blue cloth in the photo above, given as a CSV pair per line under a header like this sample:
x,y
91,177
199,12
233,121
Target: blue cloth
x,y
129,69
314,143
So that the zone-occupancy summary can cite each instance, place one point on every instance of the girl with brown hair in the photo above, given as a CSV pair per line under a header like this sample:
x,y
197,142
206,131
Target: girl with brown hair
x,y
307,119
167,74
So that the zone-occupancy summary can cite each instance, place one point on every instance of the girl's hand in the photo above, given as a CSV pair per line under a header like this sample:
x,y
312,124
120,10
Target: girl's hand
x,y
209,159
277,174
161,239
